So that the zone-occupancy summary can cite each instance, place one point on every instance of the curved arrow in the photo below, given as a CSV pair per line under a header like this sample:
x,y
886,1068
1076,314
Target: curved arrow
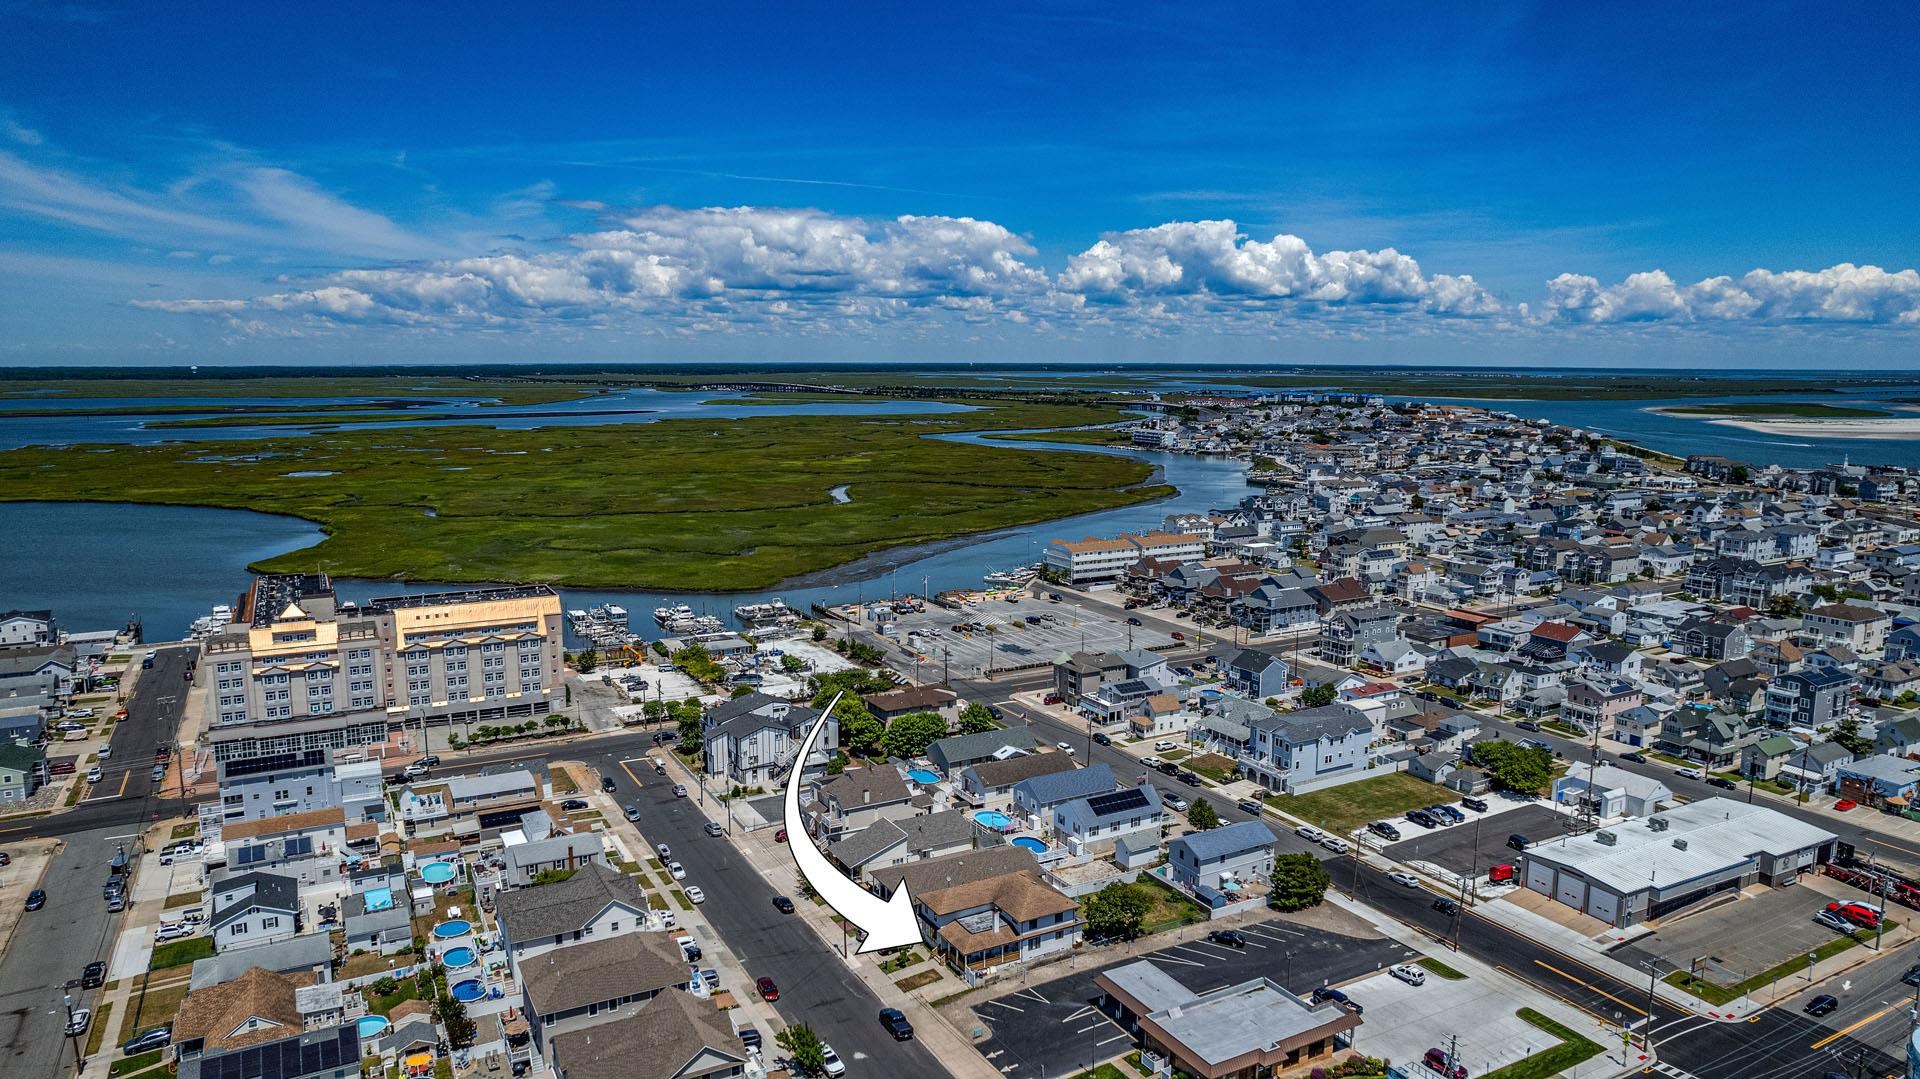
x,y
887,923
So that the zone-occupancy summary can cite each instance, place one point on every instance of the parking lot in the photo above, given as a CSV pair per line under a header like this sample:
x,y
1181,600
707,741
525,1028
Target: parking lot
x,y
1027,630
1404,1021
1734,941
1054,1029
1479,843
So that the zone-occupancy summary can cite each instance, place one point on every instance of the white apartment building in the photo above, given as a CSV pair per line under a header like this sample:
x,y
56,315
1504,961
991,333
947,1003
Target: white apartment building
x,y
1093,560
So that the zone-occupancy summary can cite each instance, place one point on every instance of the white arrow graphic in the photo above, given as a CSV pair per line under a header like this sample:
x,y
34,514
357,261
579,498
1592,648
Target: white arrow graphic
x,y
888,923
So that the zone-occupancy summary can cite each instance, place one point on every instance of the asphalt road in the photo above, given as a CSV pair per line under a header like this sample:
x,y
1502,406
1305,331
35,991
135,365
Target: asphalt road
x,y
51,945
815,988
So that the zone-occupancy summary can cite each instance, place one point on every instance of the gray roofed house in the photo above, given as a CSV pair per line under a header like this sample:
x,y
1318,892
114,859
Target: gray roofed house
x,y
751,739
306,952
673,1036
914,839
557,852
991,780
1242,850
857,798
1040,793
468,789
950,755
255,908
388,929
569,988
593,901
1308,749
1092,824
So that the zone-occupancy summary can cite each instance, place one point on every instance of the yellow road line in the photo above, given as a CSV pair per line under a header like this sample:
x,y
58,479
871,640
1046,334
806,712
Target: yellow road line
x,y
124,777
1844,1031
630,775
1589,985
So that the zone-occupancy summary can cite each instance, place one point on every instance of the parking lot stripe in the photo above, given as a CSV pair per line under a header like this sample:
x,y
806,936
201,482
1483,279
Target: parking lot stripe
x,y
1009,1007
1095,1026
1165,958
1283,935
1033,995
1083,1011
1120,1037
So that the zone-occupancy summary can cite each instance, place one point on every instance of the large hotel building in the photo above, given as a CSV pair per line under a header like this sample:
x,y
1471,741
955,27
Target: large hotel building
x,y
298,671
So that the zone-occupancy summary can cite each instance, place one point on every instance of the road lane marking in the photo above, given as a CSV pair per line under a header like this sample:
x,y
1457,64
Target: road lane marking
x,y
1079,1014
1589,985
124,776
629,771
1844,1031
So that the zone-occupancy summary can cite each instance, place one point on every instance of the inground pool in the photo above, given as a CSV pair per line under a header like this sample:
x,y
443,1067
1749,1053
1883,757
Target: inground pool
x,y
437,872
994,819
455,927
371,1026
1031,844
924,776
468,991
462,956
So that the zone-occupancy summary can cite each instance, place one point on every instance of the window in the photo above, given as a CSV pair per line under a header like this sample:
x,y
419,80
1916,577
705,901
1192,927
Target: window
x,y
237,928
269,923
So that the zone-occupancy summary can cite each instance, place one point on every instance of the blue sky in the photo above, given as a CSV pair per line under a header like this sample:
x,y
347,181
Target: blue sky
x,y
1339,183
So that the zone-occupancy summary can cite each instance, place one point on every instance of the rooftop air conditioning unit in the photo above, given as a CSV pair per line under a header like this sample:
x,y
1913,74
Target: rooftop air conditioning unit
x,y
1658,824
1605,838
1680,844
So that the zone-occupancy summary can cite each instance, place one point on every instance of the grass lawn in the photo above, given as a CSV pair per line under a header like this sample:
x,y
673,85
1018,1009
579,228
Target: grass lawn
x,y
1104,1071
98,1035
182,899
1213,766
925,977
405,990
179,952
1170,910
135,1064
680,898
366,963
1573,1049
1715,993
729,504
1343,808
184,831
563,781
1173,755
1439,969
152,1008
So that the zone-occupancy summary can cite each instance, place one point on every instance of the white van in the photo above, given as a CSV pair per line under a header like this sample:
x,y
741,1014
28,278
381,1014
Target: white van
x,y
1163,745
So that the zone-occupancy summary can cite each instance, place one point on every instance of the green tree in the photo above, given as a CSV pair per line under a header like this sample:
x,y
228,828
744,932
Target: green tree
x,y
1202,815
1846,735
1783,606
860,733
819,633
1299,881
1513,766
688,717
1740,474
792,664
977,719
909,736
1116,911
586,661
453,1019
854,682
1318,696
803,1048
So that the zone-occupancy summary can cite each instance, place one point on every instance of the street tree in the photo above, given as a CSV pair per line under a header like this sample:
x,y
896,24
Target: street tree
x,y
977,719
1117,911
1513,766
1202,815
909,736
1299,881
804,1048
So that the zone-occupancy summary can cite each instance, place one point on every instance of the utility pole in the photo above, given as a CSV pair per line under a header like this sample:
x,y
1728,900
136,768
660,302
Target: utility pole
x,y
1653,973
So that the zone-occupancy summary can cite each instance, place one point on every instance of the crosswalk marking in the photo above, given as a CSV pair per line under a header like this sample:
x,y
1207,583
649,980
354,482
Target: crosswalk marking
x,y
1665,1068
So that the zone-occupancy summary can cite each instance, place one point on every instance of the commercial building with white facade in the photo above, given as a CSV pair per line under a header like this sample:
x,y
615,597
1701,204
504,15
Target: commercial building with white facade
x,y
1643,870
1093,560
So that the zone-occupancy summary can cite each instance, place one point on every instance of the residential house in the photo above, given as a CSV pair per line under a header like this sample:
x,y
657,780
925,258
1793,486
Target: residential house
x,y
1889,681
991,782
1345,634
857,798
1085,674
1638,727
1711,639
1862,629
1610,792
1597,706
253,908
985,926
595,903
1714,739
1241,851
1037,796
43,670
751,740
1301,751
1809,698
1270,609
897,842
1875,779
374,922
1899,737
891,704
1094,824
1258,675
675,1036
1763,759
1394,657
951,755
305,846
23,769
557,853
583,985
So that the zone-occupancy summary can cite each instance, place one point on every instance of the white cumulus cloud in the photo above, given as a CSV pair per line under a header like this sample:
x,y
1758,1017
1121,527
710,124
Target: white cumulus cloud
x,y
1844,293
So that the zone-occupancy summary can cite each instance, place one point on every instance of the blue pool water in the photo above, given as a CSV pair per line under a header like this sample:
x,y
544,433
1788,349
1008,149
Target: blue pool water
x,y
458,927
924,776
379,899
462,956
371,1026
1031,844
994,819
437,872
468,991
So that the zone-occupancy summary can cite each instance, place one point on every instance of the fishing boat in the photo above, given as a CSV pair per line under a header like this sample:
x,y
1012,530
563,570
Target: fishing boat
x,y
772,613
207,625
604,626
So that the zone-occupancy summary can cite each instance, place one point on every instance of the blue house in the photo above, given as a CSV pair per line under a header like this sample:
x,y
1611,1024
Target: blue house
x,y
1037,796
1258,675
1316,747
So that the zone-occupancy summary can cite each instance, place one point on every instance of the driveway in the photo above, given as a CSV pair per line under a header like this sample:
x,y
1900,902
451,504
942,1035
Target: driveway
x,y
1480,842
1053,1028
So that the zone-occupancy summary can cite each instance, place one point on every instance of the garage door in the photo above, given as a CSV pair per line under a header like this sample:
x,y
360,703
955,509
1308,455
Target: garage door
x,y
1540,878
1603,905
1571,890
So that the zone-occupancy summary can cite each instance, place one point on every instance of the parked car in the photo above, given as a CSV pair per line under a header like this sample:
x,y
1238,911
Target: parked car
x,y
1174,802
782,904
1912,976
896,1023
1518,841
1528,725
1248,805
1383,829
148,1040
1478,805
1408,973
1164,745
1335,844
1404,879
1177,635
695,895
632,812
1064,747
1187,777
172,931
768,991
713,829
418,770
1844,804
1102,740
1423,818
676,871
106,751
94,975
1722,782
1823,1004
1439,1061
1327,993
1309,833
574,803
94,774
82,1019
665,852
36,899
830,1062
750,1038
1636,758
116,903
1863,916
607,784
679,790
1690,773
1228,937
1448,812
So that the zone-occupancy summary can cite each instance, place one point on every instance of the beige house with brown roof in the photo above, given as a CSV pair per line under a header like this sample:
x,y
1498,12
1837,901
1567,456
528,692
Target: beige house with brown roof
x,y
1009,918
581,985
991,782
305,846
674,1036
258,1006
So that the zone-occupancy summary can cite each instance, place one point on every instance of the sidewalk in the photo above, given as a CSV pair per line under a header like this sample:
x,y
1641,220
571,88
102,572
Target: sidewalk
x,y
777,867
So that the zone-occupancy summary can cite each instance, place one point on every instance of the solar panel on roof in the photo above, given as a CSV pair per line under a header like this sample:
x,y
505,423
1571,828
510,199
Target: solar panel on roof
x,y
1118,801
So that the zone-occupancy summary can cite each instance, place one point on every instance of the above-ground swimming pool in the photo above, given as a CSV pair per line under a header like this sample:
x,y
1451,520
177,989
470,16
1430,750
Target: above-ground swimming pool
x,y
1031,844
371,1026
994,819
924,776
462,956
437,872
457,927
468,991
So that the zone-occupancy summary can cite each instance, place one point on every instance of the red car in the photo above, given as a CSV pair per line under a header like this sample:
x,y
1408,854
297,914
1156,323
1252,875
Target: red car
x,y
1051,698
780,836
768,990
1844,804
1177,635
1863,916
